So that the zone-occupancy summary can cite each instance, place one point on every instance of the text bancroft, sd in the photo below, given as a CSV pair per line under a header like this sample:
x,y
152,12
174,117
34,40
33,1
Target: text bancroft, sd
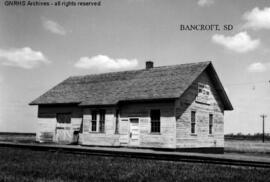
x,y
206,27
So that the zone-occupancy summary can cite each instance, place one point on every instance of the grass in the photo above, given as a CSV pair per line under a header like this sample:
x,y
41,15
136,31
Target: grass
x,y
247,146
26,165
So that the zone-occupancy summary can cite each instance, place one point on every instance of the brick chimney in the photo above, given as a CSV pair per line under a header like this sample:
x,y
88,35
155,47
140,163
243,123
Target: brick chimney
x,y
149,65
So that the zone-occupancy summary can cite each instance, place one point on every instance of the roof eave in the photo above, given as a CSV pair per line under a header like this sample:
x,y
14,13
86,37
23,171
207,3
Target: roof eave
x,y
149,99
96,105
128,100
226,102
65,103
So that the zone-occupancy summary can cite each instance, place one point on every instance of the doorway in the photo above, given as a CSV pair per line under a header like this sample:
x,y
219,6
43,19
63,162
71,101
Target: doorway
x,y
134,135
64,132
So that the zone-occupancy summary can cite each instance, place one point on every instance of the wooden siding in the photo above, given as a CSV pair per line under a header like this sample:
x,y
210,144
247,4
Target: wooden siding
x,y
108,138
187,103
48,127
165,139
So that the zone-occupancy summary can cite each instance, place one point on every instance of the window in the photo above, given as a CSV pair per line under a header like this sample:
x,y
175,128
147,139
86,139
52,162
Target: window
x,y
63,118
102,121
210,124
193,122
155,121
117,121
94,121
98,123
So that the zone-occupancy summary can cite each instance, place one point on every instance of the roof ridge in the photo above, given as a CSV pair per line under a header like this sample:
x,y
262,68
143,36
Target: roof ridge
x,y
137,70
184,64
97,74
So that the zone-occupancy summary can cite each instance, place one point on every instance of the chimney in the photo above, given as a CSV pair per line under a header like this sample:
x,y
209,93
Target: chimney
x,y
149,65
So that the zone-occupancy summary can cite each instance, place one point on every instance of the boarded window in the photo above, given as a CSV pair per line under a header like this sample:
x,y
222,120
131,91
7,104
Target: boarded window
x,y
155,121
193,121
210,123
117,122
63,117
102,121
94,121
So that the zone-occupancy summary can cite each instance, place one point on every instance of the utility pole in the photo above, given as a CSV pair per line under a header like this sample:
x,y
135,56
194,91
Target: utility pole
x,y
263,117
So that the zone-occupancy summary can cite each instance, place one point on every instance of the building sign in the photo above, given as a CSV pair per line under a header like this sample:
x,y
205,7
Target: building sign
x,y
203,93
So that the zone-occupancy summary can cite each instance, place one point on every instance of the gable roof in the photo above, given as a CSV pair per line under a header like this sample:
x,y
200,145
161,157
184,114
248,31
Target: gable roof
x,y
165,82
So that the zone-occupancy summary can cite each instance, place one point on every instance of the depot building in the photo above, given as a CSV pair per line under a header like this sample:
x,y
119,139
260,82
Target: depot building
x,y
168,107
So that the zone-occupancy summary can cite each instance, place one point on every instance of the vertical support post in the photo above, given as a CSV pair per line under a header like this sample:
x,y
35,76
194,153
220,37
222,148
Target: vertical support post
x,y
263,117
263,129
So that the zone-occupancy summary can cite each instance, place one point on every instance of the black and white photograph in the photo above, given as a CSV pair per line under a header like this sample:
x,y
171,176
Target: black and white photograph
x,y
135,90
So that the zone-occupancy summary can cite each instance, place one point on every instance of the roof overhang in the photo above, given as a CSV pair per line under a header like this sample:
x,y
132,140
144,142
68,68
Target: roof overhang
x,y
49,104
147,100
219,87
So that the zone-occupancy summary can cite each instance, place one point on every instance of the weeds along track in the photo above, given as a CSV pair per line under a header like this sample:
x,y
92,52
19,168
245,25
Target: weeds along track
x,y
141,155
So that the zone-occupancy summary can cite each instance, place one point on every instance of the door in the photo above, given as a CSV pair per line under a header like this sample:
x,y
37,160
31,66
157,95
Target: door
x,y
134,134
64,132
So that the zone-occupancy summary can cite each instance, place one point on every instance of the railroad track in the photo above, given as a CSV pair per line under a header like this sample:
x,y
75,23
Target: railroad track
x,y
141,155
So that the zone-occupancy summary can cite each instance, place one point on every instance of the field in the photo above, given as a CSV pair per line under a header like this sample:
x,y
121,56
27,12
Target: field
x,y
248,146
17,137
26,165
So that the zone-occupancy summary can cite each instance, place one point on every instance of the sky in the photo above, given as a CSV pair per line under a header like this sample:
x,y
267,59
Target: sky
x,y
42,45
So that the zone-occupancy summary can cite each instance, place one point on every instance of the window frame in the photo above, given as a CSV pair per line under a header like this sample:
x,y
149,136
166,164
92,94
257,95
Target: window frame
x,y
155,121
211,123
193,123
117,113
98,120
94,112
102,115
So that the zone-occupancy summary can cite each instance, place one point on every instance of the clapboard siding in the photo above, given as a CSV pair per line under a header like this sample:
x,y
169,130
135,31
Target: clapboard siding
x,y
166,138
183,107
108,138
99,139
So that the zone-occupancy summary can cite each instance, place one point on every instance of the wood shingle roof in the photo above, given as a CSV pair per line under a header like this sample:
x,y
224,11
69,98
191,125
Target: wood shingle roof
x,y
165,82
